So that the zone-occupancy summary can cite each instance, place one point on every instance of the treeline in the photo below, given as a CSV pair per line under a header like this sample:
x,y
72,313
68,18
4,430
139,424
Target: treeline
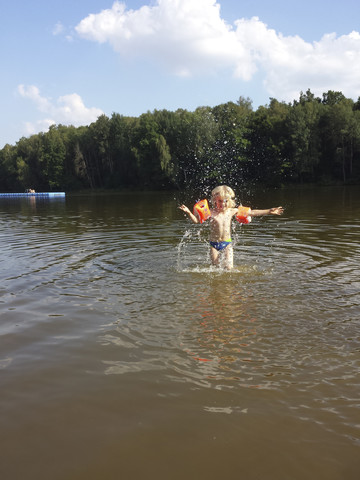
x,y
311,140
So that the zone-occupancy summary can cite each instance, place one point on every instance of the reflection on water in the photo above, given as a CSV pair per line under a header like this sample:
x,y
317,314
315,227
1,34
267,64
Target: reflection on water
x,y
120,342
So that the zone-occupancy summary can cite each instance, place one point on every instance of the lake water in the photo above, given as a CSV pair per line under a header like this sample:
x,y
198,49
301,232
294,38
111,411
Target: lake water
x,y
123,355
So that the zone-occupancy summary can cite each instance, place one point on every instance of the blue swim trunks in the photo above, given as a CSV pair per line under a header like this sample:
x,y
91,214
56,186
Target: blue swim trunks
x,y
220,245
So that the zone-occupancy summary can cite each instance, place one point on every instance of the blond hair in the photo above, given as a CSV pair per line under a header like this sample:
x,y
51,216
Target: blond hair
x,y
224,192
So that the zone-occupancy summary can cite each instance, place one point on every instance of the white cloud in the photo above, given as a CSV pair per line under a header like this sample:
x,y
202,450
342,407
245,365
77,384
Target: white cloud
x,y
58,28
66,110
40,126
190,38
33,93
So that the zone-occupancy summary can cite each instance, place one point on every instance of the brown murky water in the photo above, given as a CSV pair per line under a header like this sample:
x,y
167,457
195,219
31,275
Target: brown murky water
x,y
123,355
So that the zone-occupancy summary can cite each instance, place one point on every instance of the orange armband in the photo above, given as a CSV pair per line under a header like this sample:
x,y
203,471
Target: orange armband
x,y
202,209
243,215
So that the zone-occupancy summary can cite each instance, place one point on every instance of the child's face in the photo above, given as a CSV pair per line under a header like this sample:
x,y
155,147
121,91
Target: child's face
x,y
221,203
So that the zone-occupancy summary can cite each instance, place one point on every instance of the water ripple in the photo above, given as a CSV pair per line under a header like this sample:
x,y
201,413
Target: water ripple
x,y
138,296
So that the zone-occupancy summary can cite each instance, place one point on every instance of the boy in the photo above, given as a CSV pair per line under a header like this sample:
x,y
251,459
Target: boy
x,y
223,201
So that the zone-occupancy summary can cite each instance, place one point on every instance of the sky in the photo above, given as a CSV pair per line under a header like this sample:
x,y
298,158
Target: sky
x,y
67,62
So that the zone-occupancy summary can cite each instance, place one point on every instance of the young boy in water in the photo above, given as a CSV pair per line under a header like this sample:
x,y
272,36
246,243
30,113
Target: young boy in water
x,y
223,202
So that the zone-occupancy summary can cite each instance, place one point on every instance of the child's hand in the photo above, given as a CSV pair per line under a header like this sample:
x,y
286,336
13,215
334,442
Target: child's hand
x,y
276,211
184,208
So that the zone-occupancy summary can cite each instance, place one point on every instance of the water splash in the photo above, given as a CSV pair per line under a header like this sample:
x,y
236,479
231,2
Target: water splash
x,y
193,254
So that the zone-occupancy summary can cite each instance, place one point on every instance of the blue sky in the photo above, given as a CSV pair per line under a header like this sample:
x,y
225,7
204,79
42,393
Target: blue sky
x,y
69,61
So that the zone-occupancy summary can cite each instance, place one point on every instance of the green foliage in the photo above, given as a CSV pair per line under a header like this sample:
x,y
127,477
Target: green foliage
x,y
305,136
51,160
269,159
306,141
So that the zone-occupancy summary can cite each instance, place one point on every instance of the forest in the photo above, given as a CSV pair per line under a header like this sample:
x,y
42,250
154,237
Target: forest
x,y
311,140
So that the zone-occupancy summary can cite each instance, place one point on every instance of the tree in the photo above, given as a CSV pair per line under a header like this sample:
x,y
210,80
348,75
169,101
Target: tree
x,y
52,159
120,145
340,135
309,140
229,158
200,134
30,151
152,153
303,121
269,149
8,169
332,98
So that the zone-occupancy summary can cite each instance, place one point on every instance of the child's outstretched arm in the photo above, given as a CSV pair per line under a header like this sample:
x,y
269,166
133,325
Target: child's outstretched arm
x,y
268,211
193,218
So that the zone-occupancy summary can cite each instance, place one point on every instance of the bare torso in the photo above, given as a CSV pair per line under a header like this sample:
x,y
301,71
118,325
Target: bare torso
x,y
220,224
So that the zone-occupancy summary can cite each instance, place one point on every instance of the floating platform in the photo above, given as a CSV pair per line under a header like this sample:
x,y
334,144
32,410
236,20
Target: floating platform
x,y
36,194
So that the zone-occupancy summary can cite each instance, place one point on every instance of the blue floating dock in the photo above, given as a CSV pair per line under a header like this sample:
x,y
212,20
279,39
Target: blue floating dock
x,y
36,194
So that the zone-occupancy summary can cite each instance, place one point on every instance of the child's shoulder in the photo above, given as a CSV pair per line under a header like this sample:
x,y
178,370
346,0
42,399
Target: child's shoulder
x,y
233,211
